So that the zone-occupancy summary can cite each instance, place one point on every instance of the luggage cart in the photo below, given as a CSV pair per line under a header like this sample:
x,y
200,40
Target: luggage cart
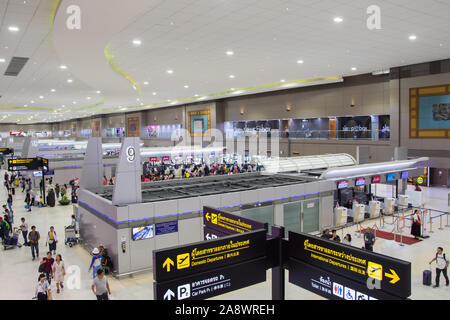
x,y
12,242
71,236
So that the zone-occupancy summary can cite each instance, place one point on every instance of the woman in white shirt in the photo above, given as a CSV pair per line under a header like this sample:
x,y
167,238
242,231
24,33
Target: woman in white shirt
x,y
58,272
42,291
347,239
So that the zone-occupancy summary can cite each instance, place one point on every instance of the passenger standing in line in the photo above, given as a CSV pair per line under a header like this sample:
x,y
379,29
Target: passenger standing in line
x,y
52,240
48,261
59,272
34,238
334,236
441,266
347,239
24,229
416,225
42,291
100,286
369,239
96,262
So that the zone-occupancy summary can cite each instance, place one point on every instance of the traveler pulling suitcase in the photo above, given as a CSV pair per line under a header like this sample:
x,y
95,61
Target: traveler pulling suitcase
x,y
427,277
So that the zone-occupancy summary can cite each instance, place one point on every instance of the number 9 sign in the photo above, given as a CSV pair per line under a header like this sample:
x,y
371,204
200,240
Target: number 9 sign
x,y
131,154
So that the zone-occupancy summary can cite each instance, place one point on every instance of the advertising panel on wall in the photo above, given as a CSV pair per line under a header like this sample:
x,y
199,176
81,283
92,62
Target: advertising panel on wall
x,y
199,122
96,132
133,127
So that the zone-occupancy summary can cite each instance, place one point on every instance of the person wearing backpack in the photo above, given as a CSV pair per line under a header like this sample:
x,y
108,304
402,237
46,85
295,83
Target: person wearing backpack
x,y
4,228
441,266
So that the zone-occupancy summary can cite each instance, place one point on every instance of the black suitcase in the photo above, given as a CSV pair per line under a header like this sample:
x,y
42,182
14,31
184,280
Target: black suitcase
x,y
13,191
427,278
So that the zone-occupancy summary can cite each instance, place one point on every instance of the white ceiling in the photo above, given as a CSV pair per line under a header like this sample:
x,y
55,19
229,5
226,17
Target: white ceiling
x,y
191,38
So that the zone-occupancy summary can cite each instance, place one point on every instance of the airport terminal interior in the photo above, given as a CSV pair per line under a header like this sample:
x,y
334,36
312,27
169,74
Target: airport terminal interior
x,y
138,137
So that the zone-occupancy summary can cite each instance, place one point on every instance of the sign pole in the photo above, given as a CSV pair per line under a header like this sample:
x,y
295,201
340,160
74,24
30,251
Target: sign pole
x,y
43,185
278,275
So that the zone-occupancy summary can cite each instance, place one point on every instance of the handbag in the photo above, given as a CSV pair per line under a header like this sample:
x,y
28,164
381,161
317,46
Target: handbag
x,y
42,268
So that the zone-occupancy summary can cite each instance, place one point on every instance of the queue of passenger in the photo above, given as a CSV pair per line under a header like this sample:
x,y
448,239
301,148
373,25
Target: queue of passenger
x,y
160,172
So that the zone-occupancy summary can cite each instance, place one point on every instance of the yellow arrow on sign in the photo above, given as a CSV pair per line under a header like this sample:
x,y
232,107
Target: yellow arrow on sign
x,y
207,216
167,264
393,275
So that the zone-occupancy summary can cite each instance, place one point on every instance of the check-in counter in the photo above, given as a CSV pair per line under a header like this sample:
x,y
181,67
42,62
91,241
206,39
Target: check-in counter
x,y
389,204
340,216
374,208
358,212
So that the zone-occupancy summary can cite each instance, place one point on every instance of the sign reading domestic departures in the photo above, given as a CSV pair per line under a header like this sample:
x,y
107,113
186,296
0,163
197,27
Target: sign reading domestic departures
x,y
26,164
227,223
182,261
393,275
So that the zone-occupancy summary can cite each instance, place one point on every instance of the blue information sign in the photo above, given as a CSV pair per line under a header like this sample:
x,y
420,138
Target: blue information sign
x,y
166,227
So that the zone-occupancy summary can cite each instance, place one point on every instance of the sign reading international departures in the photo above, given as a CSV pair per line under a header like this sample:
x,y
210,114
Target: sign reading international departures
x,y
25,164
359,265
181,261
227,223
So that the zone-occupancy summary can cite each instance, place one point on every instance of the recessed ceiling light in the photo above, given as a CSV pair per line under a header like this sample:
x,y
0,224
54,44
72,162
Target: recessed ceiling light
x,y
69,80
32,101
230,53
338,19
88,98
412,37
282,80
137,42
186,86
2,60
74,102
25,105
146,82
41,97
354,69
232,89
169,71
232,76
300,61
52,90
154,93
64,67
13,28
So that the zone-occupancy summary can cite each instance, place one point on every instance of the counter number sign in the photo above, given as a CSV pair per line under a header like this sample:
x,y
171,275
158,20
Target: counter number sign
x,y
131,154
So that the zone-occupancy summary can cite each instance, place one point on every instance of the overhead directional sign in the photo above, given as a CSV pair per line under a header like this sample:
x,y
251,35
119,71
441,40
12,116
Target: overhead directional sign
x,y
212,234
359,265
26,164
182,261
211,283
6,151
228,223
332,286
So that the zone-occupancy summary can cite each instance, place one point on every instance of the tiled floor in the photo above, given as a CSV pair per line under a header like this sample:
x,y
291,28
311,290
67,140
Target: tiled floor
x,y
19,273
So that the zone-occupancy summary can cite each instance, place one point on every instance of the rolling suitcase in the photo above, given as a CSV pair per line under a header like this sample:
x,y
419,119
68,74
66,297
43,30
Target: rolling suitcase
x,y
426,278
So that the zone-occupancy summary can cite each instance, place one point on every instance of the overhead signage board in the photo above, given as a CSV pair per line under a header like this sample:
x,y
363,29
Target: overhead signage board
x,y
153,159
182,261
342,184
166,227
228,223
332,286
212,234
25,164
165,158
405,174
212,283
6,151
393,275
360,182
376,179
391,177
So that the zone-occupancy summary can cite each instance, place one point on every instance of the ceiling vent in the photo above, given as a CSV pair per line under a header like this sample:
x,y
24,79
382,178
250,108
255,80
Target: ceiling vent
x,y
15,66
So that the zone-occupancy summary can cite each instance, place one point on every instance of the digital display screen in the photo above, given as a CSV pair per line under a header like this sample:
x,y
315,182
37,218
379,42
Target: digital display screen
x,y
342,184
376,179
391,177
165,158
360,182
154,159
142,233
405,175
